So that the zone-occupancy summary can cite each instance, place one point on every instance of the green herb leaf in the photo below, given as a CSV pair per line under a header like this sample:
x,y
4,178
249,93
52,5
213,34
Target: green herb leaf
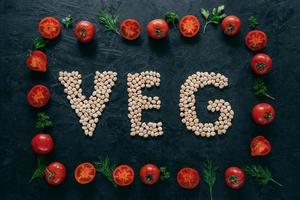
x,y
215,17
39,43
165,174
172,18
205,13
260,89
252,22
209,175
108,21
43,121
106,168
262,175
40,168
67,21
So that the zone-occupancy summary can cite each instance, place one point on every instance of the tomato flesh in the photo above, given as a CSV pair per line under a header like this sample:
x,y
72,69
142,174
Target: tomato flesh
x,y
42,143
38,96
85,173
189,26
260,146
49,27
123,175
37,61
256,40
188,178
130,29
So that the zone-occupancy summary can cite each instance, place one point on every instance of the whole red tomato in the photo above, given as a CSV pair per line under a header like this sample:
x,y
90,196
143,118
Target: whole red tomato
x,y
85,31
55,173
42,143
157,29
261,64
38,96
256,40
188,178
231,25
37,61
263,113
149,174
234,177
260,146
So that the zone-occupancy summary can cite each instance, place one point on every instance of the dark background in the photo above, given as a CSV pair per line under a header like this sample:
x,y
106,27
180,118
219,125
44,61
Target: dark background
x,y
175,58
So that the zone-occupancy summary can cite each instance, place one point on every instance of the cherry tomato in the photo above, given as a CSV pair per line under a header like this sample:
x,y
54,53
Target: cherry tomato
x,y
85,31
157,29
234,177
260,146
149,174
85,173
42,143
130,29
263,113
231,25
189,26
55,173
49,27
123,175
38,96
261,64
256,40
188,178
37,61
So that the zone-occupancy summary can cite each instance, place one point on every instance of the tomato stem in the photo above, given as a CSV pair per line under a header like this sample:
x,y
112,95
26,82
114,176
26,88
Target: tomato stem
x,y
205,26
269,96
277,183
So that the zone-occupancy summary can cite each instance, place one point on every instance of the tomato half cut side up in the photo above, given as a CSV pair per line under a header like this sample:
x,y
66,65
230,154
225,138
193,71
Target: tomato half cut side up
x,y
123,175
189,26
188,178
85,173
49,27
38,96
130,29
256,40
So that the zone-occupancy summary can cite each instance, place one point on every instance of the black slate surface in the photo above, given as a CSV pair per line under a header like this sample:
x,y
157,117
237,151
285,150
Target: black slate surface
x,y
175,58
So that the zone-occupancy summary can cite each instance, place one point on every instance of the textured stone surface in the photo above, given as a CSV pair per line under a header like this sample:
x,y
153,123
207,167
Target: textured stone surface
x,y
175,58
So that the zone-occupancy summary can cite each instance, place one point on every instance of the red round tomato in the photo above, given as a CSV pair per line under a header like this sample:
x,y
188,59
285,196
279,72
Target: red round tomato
x,y
55,173
149,174
42,143
188,178
263,113
157,29
85,31
49,27
231,25
261,64
234,177
38,96
189,26
37,61
130,29
260,146
123,175
85,173
256,40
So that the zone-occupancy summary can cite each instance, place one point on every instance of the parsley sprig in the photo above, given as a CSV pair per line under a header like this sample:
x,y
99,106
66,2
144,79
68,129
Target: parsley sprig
x,y
215,17
165,174
39,43
252,22
106,168
67,21
43,121
40,168
209,175
260,89
262,175
109,21
171,18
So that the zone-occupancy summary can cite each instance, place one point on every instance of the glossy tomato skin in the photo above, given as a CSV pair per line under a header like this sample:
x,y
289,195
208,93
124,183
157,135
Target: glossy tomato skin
x,y
231,25
38,96
55,173
123,175
85,31
37,61
188,178
234,177
260,146
261,64
130,29
42,143
85,173
256,40
49,27
149,174
157,29
189,26
263,113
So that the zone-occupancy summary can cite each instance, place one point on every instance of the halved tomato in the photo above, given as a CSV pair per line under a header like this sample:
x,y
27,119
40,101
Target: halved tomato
x,y
189,26
38,96
49,27
260,146
188,178
123,175
256,40
37,61
130,29
85,173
